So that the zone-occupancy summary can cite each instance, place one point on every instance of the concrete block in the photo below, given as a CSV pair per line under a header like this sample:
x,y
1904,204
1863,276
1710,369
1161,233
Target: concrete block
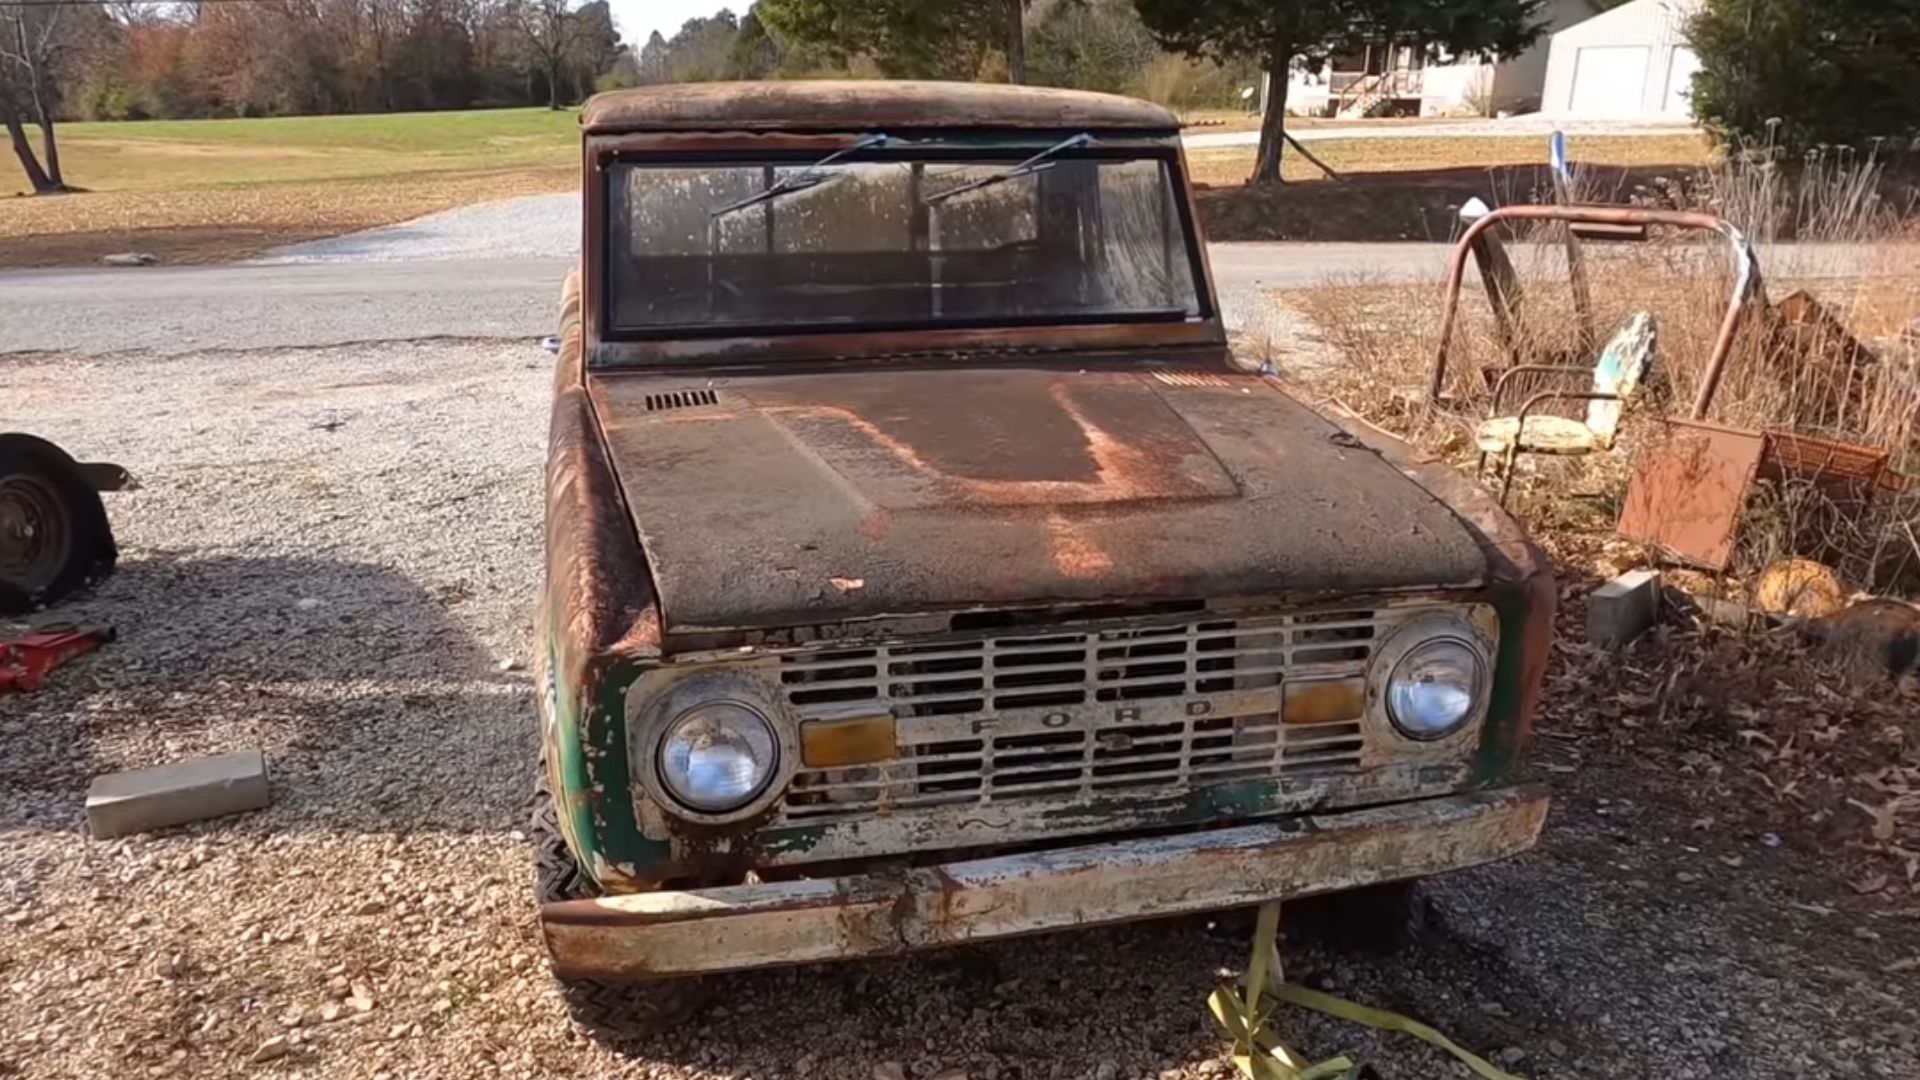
x,y
193,790
1623,609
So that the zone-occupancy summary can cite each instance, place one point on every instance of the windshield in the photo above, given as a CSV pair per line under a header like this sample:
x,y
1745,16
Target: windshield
x,y
898,239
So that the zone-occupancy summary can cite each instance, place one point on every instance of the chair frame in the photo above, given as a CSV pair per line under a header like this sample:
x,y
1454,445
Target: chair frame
x,y
1514,449
1749,287
1632,223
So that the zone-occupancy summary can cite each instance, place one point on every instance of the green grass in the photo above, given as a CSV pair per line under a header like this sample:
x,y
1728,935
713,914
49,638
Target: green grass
x,y
175,154
427,132
210,190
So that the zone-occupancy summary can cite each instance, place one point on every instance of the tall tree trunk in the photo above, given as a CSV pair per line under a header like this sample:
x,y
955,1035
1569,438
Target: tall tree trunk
x,y
1016,12
42,115
17,133
50,153
553,85
1273,126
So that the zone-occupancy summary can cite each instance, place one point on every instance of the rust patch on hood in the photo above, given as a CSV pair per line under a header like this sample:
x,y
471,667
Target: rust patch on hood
x,y
961,488
1075,553
1057,451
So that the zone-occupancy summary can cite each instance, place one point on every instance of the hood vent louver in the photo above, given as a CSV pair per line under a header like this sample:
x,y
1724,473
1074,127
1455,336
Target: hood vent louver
x,y
681,399
1192,378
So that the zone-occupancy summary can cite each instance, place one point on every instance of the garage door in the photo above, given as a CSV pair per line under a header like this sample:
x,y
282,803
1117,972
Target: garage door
x,y
1609,80
1680,82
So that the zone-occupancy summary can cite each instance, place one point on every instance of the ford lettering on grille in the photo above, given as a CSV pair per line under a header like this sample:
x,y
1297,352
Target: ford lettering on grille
x,y
1078,714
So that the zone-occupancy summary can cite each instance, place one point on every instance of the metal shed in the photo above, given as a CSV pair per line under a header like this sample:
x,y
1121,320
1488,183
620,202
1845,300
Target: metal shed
x,y
1631,63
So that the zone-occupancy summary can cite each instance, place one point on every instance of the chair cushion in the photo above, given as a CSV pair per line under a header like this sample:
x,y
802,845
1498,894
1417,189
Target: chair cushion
x,y
1544,435
1620,371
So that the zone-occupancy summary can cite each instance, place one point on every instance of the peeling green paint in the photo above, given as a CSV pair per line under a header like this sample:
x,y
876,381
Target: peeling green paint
x,y
1500,740
567,768
586,747
610,774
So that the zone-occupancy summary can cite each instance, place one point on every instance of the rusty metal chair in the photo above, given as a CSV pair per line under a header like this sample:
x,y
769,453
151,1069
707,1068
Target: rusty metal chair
x,y
1616,378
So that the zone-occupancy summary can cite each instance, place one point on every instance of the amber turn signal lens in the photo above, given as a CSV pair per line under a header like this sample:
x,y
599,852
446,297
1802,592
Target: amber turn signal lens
x,y
1323,701
832,744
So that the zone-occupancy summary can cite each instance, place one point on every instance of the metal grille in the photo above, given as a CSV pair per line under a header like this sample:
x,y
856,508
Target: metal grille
x,y
1081,713
1192,378
681,399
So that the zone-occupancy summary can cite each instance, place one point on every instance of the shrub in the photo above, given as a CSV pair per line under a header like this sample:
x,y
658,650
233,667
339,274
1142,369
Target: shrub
x,y
1818,71
1098,46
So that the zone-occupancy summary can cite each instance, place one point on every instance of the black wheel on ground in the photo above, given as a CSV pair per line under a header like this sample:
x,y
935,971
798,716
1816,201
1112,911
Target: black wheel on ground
x,y
610,1010
1378,919
54,536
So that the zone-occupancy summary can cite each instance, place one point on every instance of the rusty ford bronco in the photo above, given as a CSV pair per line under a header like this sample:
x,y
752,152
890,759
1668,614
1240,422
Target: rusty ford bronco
x,y
922,567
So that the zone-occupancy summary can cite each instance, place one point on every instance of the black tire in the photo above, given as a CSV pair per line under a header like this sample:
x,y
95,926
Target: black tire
x,y
54,536
615,1011
1379,920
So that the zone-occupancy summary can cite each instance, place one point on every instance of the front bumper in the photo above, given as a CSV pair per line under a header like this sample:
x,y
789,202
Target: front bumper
x,y
749,926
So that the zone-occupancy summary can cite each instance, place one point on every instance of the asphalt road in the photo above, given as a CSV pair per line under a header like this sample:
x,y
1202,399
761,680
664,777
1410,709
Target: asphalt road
x,y
292,305
187,309
365,292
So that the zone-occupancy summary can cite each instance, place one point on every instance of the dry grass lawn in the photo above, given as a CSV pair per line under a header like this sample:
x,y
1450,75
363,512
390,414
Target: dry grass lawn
x,y
1233,166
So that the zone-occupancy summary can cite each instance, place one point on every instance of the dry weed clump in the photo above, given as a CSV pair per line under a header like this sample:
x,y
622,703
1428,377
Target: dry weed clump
x,y
1843,365
1832,194
1796,740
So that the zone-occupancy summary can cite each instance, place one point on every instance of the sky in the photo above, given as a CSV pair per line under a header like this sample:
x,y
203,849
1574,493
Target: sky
x,y
639,18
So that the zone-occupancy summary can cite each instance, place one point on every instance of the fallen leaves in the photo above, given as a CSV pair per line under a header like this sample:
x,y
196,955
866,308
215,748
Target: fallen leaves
x,y
1870,884
1886,816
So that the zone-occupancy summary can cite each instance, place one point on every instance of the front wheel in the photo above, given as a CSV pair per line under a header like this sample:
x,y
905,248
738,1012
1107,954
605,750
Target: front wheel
x,y
609,1010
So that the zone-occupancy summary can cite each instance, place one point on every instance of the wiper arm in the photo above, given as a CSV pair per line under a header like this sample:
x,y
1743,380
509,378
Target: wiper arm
x,y
1034,164
809,177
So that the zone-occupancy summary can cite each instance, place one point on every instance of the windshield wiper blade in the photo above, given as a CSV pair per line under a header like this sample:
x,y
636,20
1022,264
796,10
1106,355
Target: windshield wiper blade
x,y
1034,164
809,177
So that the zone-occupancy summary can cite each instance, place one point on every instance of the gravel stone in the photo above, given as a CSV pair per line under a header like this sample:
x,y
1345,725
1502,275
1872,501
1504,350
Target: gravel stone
x,y
393,859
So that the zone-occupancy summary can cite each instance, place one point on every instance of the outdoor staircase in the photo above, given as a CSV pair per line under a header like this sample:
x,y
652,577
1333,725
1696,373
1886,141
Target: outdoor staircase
x,y
1363,98
1373,95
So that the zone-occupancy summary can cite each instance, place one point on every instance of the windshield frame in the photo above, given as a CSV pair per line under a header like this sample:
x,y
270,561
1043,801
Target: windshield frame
x,y
609,165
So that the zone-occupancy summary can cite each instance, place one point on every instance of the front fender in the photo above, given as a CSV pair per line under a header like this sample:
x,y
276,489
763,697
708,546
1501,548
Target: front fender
x,y
599,629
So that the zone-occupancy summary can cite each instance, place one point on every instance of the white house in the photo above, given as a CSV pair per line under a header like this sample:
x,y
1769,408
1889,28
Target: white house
x,y
1399,81
1630,63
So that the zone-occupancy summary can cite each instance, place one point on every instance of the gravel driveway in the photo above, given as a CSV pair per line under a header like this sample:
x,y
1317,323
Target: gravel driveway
x,y
527,227
334,557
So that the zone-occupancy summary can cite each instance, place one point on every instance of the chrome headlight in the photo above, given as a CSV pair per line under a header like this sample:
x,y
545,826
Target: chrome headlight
x,y
1436,688
718,757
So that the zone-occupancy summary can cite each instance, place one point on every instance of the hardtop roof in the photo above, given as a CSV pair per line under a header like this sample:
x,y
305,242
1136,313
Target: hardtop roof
x,y
865,105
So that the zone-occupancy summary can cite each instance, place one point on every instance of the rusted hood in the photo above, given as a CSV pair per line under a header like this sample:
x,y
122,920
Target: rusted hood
x,y
788,500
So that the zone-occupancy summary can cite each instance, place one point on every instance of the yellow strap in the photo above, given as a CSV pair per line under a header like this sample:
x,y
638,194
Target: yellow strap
x,y
1260,1055
1257,1052
1385,1021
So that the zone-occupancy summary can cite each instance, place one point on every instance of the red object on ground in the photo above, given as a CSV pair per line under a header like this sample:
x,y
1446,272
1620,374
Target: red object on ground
x,y
25,662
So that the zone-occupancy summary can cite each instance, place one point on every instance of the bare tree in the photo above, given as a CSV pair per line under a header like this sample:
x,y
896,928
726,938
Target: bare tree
x,y
548,29
31,47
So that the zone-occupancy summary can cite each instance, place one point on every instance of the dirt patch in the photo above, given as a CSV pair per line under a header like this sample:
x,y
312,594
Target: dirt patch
x,y
219,224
